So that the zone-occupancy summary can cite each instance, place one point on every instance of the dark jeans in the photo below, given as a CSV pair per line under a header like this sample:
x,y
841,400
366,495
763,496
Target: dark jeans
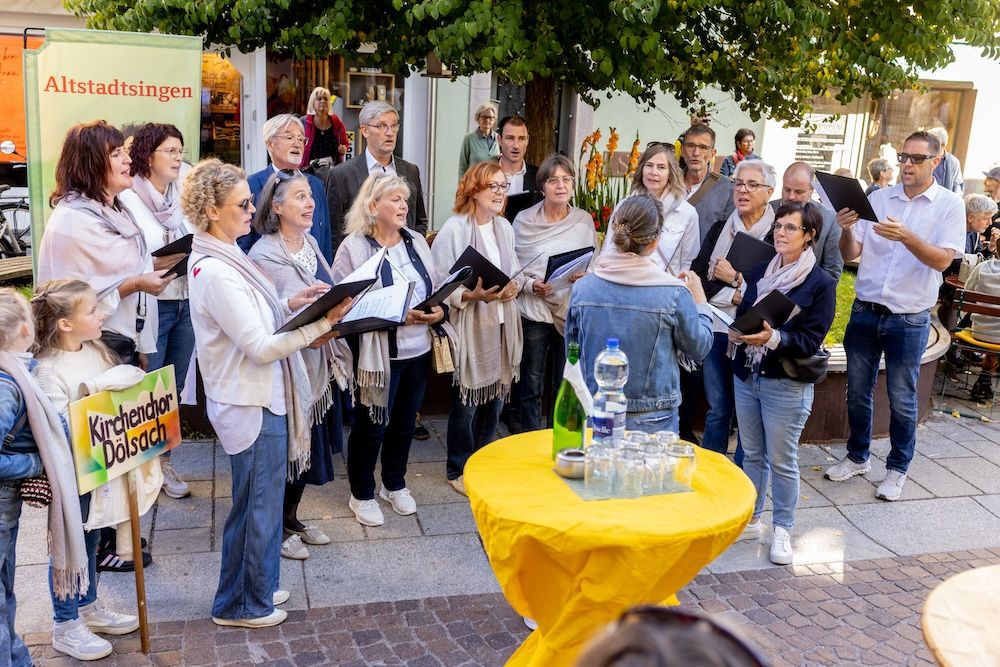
x,y
542,345
368,438
469,428
718,372
902,338
67,610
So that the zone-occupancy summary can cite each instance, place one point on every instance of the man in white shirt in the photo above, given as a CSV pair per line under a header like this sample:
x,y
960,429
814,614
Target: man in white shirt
x,y
520,175
921,230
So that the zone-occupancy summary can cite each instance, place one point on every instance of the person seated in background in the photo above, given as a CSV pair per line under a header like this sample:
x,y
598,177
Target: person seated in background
x,y
985,278
744,151
669,637
880,172
978,213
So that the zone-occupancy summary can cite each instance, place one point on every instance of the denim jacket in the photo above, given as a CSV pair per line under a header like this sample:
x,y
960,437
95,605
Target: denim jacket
x,y
653,324
19,457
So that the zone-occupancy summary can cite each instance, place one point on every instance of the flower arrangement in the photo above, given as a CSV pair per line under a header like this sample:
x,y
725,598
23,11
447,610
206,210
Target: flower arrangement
x,y
597,191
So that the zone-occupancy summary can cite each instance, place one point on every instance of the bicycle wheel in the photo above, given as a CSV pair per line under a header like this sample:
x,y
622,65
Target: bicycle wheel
x,y
18,216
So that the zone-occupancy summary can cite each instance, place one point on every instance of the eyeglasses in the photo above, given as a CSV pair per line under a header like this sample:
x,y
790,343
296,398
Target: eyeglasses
x,y
382,127
913,158
172,153
704,148
673,617
497,188
750,186
660,143
287,174
296,139
245,204
556,180
789,228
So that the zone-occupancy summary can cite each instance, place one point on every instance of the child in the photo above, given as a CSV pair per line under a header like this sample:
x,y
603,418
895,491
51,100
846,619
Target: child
x,y
72,363
32,438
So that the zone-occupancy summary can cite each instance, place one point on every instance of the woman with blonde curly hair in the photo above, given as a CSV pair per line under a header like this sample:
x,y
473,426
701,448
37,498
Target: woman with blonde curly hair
x,y
487,321
253,383
390,366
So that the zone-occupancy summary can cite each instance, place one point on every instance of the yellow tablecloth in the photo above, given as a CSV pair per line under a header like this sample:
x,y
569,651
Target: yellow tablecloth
x,y
575,565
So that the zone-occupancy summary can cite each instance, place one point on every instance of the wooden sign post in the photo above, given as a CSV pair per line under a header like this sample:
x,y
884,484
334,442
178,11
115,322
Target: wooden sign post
x,y
115,432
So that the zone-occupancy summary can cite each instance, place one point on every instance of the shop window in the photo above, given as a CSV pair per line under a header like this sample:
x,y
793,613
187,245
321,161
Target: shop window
x,y
221,94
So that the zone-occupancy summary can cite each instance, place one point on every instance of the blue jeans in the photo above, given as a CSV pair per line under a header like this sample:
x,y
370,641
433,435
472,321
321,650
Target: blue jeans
x,y
541,343
718,373
68,609
174,341
903,339
652,421
393,440
251,539
12,649
772,413
469,428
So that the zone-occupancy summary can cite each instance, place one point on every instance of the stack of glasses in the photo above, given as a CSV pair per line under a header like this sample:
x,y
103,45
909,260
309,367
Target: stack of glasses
x,y
639,464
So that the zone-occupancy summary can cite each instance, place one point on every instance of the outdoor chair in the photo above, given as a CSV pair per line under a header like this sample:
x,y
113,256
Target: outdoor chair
x,y
962,341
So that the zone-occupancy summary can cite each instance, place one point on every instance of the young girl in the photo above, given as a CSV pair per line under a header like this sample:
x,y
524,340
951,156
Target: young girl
x,y
33,441
73,363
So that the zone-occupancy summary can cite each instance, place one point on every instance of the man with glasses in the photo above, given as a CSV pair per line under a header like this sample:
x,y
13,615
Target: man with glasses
x,y
285,140
709,192
379,123
797,186
921,229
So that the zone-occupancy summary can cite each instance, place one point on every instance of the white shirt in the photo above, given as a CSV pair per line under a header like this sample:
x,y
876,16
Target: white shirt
x,y
376,167
888,273
516,180
412,340
492,254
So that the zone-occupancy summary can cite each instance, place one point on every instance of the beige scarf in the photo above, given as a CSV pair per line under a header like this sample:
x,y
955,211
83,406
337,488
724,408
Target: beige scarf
x,y
292,369
733,225
67,550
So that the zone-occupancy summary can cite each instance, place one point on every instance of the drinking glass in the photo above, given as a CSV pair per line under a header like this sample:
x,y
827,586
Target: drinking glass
x,y
599,470
666,437
655,462
629,467
681,454
638,438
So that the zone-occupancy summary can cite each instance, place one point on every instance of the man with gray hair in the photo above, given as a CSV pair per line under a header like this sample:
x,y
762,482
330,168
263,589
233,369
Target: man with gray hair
x,y
948,173
285,140
379,122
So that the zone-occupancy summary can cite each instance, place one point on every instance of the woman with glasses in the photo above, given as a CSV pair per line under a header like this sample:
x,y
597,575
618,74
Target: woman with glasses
x,y
289,256
658,174
326,136
548,228
391,366
744,151
773,401
480,145
255,384
157,153
487,321
753,184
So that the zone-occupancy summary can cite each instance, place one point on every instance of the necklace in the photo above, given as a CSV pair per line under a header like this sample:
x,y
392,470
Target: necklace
x,y
294,246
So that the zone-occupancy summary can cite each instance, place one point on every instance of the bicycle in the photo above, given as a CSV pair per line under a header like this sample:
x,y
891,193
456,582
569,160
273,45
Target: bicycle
x,y
15,227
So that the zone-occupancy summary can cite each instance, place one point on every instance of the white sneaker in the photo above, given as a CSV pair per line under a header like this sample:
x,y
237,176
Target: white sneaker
x,y
310,535
107,621
173,485
274,618
846,469
293,548
74,639
280,596
891,487
781,547
367,512
402,502
753,530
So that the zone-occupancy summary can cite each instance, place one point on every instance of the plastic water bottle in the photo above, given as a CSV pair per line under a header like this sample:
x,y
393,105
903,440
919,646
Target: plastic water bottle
x,y
611,374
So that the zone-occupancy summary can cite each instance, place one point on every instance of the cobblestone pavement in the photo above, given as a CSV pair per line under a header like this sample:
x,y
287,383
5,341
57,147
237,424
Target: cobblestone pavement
x,y
856,613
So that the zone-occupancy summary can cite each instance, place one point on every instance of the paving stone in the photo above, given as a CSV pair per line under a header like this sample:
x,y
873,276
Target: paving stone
x,y
446,519
982,474
937,479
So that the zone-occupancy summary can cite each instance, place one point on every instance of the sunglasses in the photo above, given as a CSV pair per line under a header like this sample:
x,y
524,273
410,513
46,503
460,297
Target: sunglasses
x,y
677,618
913,158
245,204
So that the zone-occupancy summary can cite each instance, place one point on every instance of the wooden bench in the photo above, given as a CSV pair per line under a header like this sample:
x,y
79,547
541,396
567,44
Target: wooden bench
x,y
15,268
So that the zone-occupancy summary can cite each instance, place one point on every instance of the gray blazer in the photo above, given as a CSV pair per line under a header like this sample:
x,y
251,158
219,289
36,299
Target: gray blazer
x,y
344,181
827,247
715,206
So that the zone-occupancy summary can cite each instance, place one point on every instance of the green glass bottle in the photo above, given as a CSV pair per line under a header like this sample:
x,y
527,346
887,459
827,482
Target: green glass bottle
x,y
569,421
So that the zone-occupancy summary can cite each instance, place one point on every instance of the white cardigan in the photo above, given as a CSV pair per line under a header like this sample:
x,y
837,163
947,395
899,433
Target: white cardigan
x,y
235,342
679,241
153,231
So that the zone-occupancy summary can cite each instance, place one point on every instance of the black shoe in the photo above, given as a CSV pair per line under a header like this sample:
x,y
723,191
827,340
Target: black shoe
x,y
982,390
421,433
109,561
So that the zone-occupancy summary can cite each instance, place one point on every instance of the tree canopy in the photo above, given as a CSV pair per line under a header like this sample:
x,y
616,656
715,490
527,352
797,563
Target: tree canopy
x,y
772,56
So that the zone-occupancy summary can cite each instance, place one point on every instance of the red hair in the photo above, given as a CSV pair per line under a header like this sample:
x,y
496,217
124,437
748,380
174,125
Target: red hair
x,y
85,161
476,179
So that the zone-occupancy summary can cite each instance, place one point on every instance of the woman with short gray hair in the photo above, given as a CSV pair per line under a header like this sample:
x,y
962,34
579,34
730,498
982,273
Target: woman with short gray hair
x,y
288,255
881,174
481,144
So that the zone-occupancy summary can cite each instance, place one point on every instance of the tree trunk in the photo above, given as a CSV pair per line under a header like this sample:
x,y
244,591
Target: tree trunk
x,y
540,114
